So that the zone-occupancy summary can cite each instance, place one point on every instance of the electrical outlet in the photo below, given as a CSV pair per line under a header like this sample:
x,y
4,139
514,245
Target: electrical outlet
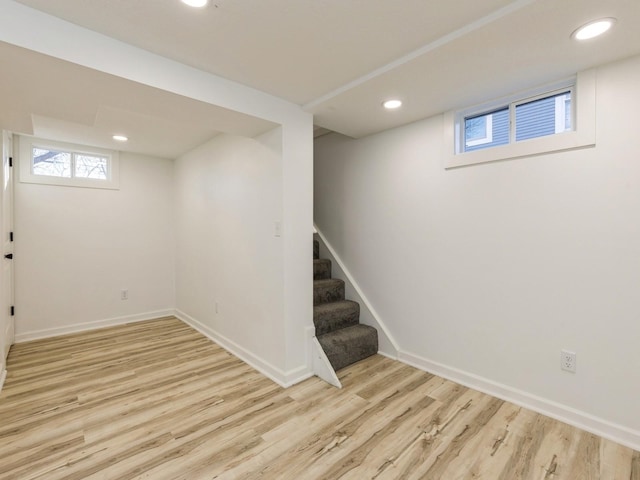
x,y
124,294
568,361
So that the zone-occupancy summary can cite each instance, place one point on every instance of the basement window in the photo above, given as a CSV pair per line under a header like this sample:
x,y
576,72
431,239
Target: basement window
x,y
544,120
546,114
55,163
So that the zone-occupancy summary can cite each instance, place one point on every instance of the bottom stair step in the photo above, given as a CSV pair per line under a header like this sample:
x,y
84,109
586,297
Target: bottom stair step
x,y
349,345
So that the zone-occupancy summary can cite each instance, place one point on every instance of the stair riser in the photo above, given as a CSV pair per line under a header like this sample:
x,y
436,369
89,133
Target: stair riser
x,y
331,321
328,293
339,361
321,269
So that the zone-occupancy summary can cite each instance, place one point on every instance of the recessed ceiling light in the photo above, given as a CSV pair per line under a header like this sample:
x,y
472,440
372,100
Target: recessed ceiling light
x,y
593,29
120,138
392,104
195,3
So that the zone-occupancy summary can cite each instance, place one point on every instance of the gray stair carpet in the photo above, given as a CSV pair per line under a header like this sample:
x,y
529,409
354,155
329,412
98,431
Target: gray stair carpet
x,y
328,317
343,338
321,269
328,290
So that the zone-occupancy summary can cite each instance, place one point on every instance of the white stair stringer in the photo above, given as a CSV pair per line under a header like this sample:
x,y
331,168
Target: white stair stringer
x,y
321,365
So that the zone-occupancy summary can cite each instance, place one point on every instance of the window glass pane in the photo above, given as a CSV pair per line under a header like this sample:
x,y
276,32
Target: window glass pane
x,y
91,166
486,130
545,116
476,129
52,163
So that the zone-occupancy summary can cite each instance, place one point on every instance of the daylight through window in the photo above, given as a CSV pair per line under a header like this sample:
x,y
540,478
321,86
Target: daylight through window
x,y
56,163
546,119
546,114
50,162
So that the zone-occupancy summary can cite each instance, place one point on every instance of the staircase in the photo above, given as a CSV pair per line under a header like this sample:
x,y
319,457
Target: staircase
x,y
344,340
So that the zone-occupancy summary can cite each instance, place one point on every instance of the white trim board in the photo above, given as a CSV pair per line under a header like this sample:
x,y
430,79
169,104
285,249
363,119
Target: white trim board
x,y
282,378
81,327
322,366
563,413
318,360
3,377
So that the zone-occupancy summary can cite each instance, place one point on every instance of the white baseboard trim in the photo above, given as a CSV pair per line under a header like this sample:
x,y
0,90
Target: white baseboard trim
x,y
282,378
388,355
563,413
81,327
3,377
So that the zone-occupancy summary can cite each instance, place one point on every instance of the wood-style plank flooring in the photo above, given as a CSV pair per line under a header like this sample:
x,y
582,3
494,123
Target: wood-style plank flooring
x,y
157,400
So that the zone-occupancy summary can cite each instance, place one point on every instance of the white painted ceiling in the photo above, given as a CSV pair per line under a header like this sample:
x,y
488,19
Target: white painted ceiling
x,y
338,58
58,100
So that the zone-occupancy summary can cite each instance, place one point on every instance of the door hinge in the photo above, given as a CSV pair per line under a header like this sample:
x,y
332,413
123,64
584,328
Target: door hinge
x,y
13,310
11,236
11,161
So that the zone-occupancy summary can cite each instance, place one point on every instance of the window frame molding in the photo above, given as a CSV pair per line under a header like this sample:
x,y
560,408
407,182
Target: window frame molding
x,y
582,134
25,160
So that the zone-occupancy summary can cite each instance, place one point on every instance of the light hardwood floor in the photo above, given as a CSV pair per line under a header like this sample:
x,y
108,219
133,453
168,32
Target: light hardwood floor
x,y
157,400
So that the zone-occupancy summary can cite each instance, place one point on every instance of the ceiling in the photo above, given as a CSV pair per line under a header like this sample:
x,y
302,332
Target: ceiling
x,y
59,100
338,59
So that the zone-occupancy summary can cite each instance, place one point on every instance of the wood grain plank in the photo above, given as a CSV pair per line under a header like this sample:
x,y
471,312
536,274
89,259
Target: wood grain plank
x,y
156,400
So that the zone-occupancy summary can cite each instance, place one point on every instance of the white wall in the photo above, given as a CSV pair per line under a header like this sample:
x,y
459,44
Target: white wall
x,y
487,272
77,248
229,263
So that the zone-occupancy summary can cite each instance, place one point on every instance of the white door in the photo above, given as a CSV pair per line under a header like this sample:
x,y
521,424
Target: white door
x,y
7,324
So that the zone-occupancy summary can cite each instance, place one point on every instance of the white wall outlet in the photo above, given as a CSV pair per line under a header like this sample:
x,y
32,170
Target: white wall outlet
x,y
277,229
124,294
568,361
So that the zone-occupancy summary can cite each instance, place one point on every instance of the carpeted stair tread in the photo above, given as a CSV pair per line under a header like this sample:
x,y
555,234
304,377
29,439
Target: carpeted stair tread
x,y
328,317
344,340
321,269
349,345
327,290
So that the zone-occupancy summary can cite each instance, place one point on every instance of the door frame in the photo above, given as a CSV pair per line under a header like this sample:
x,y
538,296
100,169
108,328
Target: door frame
x,y
7,293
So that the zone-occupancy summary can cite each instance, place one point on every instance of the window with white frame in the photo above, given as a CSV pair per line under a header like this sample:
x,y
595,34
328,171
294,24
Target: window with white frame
x,y
56,163
539,121
523,119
